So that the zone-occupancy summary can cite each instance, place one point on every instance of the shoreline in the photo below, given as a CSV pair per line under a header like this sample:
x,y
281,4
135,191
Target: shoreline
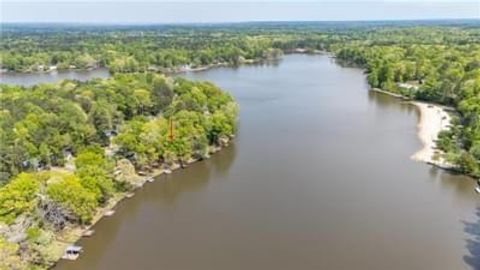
x,y
433,118
167,71
171,71
377,90
50,71
73,233
430,123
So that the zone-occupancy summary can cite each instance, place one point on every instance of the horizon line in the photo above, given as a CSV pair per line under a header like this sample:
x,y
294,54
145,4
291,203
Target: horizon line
x,y
246,21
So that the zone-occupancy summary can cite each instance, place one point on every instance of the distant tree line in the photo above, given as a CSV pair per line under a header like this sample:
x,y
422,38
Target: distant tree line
x,y
68,148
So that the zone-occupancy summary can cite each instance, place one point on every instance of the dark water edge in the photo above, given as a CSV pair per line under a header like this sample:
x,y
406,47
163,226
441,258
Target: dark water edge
x,y
319,177
30,79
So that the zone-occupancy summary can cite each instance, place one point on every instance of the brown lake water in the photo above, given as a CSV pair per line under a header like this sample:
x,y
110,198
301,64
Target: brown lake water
x,y
319,177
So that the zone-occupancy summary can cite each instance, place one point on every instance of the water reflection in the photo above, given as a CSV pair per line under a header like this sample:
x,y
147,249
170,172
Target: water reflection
x,y
192,179
224,160
102,240
473,243
384,101
321,170
163,193
171,186
29,79
462,185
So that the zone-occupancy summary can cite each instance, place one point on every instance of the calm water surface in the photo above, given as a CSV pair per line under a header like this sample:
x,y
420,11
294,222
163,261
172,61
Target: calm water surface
x,y
29,79
319,177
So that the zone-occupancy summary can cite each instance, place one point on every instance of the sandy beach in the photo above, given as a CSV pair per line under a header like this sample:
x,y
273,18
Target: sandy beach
x,y
433,119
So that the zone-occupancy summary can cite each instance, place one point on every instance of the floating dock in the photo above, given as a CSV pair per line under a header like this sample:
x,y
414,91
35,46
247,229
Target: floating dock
x,y
88,233
109,213
72,252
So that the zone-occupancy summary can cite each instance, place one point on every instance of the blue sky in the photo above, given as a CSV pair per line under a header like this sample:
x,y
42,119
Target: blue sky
x,y
150,11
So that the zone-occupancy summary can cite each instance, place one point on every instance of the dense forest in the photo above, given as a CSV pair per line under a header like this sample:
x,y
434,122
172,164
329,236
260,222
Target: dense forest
x,y
130,50
435,61
68,148
28,48
447,74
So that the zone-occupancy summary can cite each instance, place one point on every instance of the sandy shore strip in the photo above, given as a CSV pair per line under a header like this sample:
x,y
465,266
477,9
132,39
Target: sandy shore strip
x,y
433,119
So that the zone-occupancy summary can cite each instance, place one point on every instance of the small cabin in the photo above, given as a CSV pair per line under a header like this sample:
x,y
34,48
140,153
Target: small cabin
x,y
111,133
67,154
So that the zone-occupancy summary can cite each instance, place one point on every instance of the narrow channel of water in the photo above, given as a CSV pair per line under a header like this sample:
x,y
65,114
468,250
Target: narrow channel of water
x,y
29,79
319,177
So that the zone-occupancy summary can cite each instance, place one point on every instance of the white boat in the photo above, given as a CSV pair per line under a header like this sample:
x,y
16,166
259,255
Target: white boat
x,y
72,252
150,179
88,233
167,171
477,189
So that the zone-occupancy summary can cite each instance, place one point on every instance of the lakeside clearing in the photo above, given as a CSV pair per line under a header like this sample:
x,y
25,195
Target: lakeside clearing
x,y
433,119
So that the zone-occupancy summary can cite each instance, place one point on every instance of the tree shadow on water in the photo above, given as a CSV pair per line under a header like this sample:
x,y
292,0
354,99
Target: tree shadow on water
x,y
473,243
